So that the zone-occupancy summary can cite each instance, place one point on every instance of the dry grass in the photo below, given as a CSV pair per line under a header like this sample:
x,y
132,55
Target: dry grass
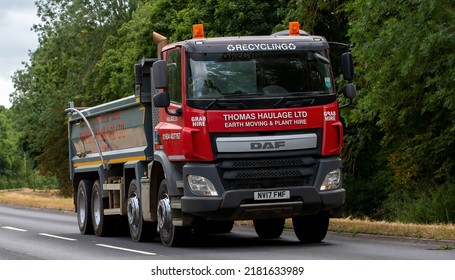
x,y
437,232
49,199
356,226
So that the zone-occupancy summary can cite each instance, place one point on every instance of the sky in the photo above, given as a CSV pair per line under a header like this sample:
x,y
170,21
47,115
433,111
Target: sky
x,y
16,41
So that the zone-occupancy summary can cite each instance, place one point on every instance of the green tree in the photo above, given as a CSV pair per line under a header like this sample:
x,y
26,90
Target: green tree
x,y
71,39
404,52
7,146
10,155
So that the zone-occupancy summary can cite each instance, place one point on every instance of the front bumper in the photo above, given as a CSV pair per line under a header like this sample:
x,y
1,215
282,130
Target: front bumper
x,y
239,204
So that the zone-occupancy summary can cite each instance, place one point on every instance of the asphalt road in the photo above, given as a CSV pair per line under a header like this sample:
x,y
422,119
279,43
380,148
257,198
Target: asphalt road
x,y
34,234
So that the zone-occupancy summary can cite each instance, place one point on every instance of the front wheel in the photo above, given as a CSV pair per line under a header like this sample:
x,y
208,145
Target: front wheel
x,y
311,229
140,230
83,207
170,235
269,228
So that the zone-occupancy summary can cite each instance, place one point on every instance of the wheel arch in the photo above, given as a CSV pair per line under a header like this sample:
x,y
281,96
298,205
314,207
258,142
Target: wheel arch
x,y
133,170
171,171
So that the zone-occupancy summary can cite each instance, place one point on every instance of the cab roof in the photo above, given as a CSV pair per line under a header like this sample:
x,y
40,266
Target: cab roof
x,y
276,42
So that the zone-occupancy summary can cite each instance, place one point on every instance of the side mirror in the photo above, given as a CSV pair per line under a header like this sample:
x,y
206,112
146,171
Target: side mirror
x,y
350,91
161,81
161,100
160,74
347,66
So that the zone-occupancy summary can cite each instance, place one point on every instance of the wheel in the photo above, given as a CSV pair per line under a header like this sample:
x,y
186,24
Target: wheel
x,y
101,223
311,229
269,228
83,207
170,235
140,230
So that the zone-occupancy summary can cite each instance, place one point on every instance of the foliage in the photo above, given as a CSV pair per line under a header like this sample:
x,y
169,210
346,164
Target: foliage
x,y
15,163
8,150
405,49
434,205
403,125
71,37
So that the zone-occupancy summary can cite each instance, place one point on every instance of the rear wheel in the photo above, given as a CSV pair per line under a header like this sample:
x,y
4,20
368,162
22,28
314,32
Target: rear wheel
x,y
269,228
101,223
311,229
170,235
83,207
140,230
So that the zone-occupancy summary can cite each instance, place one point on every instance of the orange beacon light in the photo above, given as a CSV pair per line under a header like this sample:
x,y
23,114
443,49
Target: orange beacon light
x,y
294,28
198,31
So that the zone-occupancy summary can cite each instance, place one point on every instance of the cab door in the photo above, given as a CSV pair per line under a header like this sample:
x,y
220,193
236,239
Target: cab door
x,y
171,125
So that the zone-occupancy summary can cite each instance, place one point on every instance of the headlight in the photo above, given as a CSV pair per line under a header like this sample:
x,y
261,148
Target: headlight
x,y
201,186
332,180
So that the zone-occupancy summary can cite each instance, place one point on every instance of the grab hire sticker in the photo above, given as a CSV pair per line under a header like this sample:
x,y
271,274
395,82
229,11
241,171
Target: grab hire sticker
x,y
261,47
330,116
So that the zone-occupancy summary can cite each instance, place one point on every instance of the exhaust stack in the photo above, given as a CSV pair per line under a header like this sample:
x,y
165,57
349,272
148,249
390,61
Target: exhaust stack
x,y
161,41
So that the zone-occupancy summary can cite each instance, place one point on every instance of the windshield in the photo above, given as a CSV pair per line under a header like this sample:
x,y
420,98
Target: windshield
x,y
266,74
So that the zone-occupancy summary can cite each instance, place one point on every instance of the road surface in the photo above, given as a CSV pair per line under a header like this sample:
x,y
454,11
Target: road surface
x,y
34,234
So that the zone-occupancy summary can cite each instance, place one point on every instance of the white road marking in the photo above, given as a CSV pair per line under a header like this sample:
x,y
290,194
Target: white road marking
x,y
13,228
126,249
56,236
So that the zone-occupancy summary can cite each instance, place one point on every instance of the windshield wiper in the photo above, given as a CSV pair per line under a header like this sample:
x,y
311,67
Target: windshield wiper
x,y
235,93
298,99
241,93
234,104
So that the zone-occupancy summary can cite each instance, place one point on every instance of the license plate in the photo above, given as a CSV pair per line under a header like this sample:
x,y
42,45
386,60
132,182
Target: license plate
x,y
267,195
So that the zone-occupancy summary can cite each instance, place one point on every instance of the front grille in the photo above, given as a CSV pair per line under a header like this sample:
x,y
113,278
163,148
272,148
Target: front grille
x,y
265,163
268,173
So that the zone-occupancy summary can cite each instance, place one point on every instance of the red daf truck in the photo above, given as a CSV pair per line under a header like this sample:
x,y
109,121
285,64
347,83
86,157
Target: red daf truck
x,y
218,130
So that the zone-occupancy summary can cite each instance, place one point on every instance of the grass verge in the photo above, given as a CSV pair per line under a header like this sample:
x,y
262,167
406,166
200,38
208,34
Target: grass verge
x,y
46,199
49,199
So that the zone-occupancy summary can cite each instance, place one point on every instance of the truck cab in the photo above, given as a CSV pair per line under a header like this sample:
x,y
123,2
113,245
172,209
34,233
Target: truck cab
x,y
253,123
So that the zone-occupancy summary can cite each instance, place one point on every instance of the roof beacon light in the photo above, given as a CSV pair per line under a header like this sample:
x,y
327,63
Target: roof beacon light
x,y
198,31
294,28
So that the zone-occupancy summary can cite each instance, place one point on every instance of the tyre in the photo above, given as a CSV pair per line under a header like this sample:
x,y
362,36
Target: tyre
x,y
311,229
102,224
140,230
269,228
83,207
170,235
